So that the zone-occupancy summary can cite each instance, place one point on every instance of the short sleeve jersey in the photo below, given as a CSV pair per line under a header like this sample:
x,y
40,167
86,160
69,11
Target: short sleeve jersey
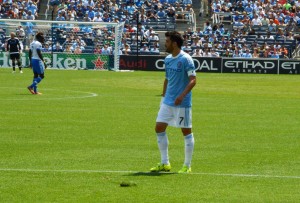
x,y
34,46
178,70
13,45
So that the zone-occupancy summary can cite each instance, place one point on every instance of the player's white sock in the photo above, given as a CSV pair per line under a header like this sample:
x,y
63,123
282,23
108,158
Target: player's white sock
x,y
189,148
163,142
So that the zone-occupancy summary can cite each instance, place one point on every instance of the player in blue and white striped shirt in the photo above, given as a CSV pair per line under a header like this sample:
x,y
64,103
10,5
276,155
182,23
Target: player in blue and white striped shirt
x,y
175,109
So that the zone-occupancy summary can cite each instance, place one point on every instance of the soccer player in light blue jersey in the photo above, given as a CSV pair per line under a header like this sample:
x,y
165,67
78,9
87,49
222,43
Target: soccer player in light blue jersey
x,y
175,109
36,62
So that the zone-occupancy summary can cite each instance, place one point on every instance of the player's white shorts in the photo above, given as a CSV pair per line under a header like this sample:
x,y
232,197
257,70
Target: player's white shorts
x,y
175,116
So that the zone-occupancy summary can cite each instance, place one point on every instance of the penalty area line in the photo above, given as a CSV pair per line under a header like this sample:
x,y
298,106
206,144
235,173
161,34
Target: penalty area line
x,y
139,172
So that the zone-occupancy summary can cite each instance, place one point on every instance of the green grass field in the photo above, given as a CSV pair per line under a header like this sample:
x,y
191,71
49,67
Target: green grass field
x,y
92,130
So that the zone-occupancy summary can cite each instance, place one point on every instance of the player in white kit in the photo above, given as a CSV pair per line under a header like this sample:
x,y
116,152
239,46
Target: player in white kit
x,y
36,62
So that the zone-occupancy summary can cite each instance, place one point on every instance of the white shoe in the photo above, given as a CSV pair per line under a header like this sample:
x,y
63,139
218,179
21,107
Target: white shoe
x,y
14,72
21,71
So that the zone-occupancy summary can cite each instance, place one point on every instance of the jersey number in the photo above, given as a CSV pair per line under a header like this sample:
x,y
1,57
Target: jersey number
x,y
181,119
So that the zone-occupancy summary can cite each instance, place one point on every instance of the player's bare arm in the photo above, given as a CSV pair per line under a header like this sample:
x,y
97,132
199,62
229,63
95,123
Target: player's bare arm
x,y
30,56
165,87
188,88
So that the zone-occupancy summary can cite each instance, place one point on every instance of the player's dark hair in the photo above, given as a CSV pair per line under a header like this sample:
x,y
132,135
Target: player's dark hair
x,y
175,37
39,36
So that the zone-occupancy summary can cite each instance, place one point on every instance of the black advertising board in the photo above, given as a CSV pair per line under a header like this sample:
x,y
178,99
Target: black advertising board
x,y
289,67
215,65
156,63
259,66
208,64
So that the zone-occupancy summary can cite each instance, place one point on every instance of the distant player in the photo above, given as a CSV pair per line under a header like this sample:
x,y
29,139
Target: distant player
x,y
36,62
14,48
175,109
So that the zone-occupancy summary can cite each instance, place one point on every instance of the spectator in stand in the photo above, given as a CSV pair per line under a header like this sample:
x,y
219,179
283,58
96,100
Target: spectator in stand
x,y
86,18
186,47
256,21
277,46
106,17
198,32
272,26
153,37
218,46
227,53
238,24
62,6
265,21
269,36
236,54
197,53
46,47
161,13
151,15
91,13
291,26
148,32
171,13
214,53
264,47
154,49
33,8
290,36
207,28
89,3
189,9
178,11
71,15
98,11
80,43
29,16
240,7
206,53
147,3
126,50
249,8
77,50
113,7
284,51
144,48
255,53
266,54
60,17
98,18
105,50
131,8
79,12
279,34
287,5
254,45
56,48
247,54
186,2
196,42
68,49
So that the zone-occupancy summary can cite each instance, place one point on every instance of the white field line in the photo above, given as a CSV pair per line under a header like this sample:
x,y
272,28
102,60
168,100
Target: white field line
x,y
40,97
140,172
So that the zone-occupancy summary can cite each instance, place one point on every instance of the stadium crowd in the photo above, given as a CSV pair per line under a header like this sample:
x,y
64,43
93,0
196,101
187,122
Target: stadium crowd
x,y
259,28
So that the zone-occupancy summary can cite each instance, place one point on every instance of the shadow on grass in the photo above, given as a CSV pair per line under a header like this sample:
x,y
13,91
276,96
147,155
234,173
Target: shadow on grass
x,y
150,174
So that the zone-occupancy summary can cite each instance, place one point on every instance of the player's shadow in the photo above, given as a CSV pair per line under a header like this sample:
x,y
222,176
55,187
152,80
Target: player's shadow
x,y
150,174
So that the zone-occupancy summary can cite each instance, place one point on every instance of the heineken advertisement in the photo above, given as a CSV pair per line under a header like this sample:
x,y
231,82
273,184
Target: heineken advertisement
x,y
66,61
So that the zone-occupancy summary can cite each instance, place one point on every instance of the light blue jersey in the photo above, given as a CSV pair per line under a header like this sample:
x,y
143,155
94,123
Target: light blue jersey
x,y
178,70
